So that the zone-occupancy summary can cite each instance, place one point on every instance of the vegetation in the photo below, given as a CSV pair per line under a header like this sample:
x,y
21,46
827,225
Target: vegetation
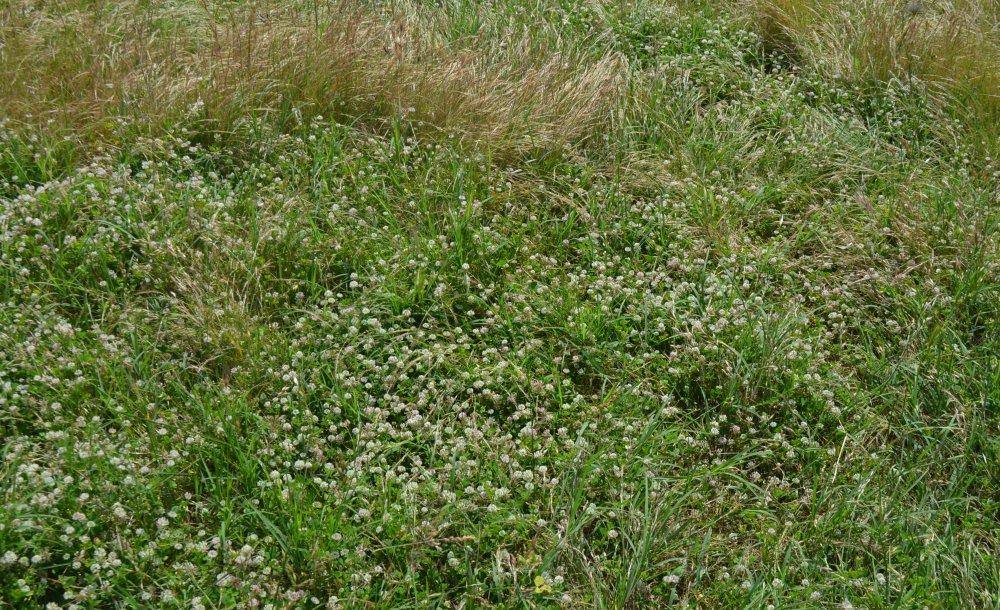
x,y
506,304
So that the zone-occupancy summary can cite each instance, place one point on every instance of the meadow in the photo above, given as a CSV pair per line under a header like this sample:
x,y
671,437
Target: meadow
x,y
543,304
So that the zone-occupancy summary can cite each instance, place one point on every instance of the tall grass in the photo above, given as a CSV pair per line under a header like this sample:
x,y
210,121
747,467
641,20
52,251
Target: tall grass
x,y
952,45
74,67
82,69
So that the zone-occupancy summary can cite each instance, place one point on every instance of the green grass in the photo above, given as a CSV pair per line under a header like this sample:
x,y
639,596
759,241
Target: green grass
x,y
732,342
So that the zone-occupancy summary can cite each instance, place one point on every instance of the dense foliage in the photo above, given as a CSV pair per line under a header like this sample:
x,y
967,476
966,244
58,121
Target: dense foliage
x,y
731,341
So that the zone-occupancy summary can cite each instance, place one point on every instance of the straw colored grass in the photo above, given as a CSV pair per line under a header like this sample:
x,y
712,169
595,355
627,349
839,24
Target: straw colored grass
x,y
80,70
953,45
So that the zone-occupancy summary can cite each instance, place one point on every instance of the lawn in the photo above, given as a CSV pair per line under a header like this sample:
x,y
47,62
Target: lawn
x,y
538,304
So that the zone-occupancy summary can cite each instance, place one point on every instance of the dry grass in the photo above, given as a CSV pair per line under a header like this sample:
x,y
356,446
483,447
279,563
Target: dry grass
x,y
79,69
953,45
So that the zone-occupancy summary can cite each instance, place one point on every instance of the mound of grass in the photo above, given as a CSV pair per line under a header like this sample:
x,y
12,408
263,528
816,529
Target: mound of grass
x,y
631,310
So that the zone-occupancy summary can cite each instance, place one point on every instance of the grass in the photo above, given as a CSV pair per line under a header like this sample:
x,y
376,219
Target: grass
x,y
949,45
494,305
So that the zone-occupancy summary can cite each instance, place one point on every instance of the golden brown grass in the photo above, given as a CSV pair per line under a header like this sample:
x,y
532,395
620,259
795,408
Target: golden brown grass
x,y
953,45
74,68
77,68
